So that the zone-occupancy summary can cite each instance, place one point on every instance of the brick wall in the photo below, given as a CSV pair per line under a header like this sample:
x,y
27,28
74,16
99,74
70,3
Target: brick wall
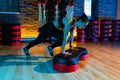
x,y
118,9
107,8
78,8
104,9
29,11
28,17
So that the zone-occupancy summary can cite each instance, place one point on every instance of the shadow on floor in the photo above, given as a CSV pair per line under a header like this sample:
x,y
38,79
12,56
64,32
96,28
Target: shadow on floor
x,y
42,64
19,60
45,67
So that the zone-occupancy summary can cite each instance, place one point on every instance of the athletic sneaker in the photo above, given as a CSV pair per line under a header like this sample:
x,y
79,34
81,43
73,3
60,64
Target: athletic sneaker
x,y
49,50
25,51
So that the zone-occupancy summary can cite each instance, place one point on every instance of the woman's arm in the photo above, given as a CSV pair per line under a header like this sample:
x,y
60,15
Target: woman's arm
x,y
65,33
71,37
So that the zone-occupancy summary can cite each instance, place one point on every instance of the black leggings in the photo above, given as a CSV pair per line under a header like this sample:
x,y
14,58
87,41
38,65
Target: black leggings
x,y
46,31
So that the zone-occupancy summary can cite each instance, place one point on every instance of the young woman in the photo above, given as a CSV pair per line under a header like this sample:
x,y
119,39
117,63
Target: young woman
x,y
59,29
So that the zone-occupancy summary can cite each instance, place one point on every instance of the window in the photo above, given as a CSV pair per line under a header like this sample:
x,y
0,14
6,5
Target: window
x,y
88,7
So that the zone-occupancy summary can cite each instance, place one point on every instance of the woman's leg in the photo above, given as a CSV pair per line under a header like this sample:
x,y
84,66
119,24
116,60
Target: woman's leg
x,y
41,37
46,30
38,40
59,36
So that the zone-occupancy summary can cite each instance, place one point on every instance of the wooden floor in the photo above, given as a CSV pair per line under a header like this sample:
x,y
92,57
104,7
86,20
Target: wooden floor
x,y
103,63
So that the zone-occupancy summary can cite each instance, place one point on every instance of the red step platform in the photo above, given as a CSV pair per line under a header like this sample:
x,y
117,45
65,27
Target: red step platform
x,y
69,63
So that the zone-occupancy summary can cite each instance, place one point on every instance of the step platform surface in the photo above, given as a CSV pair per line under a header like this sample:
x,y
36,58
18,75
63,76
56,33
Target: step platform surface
x,y
69,63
